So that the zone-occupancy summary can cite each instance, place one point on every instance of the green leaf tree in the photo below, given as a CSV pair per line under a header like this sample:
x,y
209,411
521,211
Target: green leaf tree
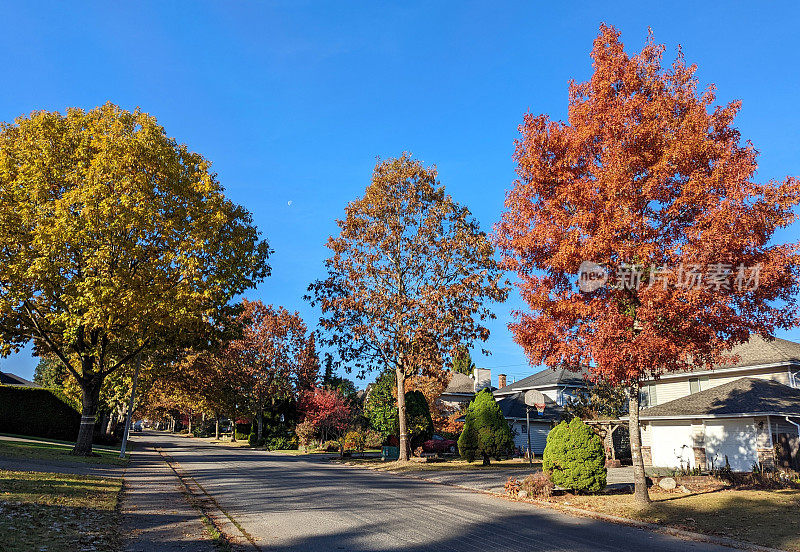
x,y
116,240
574,457
486,433
462,362
381,411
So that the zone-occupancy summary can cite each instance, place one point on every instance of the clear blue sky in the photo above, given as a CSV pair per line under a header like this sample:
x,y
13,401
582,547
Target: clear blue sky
x,y
292,101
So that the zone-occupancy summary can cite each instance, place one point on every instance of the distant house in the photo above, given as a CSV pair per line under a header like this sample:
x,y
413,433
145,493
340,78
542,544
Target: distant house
x,y
514,410
462,388
745,412
559,385
7,378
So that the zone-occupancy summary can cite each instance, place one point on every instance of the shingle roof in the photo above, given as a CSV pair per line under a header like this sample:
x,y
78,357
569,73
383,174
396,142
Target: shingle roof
x,y
513,406
10,379
460,383
545,378
741,396
760,351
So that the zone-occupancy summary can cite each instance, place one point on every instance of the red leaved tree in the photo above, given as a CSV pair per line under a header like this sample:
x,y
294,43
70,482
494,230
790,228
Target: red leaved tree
x,y
655,185
408,280
327,412
272,351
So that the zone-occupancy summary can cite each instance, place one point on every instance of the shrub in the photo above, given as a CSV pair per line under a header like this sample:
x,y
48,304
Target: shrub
x,y
242,436
356,439
282,443
38,413
486,433
574,457
538,485
252,440
306,431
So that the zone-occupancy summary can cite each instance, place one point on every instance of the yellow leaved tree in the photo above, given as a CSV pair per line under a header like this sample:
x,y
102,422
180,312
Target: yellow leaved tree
x,y
115,240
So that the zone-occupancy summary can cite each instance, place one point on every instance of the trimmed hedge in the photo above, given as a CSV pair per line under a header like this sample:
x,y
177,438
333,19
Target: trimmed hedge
x,y
38,413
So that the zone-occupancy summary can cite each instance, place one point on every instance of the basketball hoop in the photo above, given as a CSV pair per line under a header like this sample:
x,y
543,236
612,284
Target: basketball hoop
x,y
535,399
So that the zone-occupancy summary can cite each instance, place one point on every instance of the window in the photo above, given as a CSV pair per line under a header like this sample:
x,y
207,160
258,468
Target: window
x,y
698,384
648,396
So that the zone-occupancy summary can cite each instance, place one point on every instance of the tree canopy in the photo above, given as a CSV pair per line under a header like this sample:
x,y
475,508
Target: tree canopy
x,y
115,240
409,277
649,185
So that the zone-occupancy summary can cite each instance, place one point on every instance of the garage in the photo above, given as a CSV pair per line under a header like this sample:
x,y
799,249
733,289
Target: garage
x,y
671,444
734,438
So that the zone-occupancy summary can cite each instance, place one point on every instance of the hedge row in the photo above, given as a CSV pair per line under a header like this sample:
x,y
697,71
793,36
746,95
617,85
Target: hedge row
x,y
37,413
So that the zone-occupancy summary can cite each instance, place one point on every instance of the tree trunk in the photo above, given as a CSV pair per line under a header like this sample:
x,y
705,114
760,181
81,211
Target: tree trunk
x,y
108,422
401,412
190,425
90,399
216,428
486,461
640,494
260,422
233,428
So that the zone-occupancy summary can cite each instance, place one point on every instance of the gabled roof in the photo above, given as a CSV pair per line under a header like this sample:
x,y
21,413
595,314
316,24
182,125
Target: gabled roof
x,y
760,351
547,378
513,406
460,383
7,378
741,396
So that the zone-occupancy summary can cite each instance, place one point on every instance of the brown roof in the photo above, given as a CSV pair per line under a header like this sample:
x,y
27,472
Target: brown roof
x,y
761,351
460,383
741,396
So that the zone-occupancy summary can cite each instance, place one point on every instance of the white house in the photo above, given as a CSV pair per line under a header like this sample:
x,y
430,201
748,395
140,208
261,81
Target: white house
x,y
736,413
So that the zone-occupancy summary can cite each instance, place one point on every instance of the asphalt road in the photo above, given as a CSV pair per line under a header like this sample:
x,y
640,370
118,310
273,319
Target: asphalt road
x,y
305,504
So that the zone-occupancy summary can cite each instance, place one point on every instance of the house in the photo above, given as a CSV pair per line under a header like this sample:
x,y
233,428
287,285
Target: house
x,y
747,412
7,378
462,388
515,412
559,385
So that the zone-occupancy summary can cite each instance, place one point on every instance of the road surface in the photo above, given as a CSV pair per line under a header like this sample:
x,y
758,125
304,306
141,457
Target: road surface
x,y
304,504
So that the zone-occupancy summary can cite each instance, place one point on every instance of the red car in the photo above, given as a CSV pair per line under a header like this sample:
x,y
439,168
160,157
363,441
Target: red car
x,y
440,444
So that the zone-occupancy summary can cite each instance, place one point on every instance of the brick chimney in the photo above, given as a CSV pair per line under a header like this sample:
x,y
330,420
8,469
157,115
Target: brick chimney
x,y
501,381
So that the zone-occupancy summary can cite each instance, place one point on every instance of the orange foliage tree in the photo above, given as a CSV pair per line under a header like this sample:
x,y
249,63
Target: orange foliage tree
x,y
655,185
408,280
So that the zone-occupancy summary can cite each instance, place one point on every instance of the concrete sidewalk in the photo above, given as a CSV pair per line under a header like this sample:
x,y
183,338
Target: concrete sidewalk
x,y
156,511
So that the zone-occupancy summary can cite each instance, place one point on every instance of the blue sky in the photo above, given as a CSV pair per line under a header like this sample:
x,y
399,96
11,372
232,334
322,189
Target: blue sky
x,y
293,101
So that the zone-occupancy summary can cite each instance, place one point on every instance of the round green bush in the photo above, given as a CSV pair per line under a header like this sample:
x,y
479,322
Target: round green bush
x,y
252,440
574,457
486,433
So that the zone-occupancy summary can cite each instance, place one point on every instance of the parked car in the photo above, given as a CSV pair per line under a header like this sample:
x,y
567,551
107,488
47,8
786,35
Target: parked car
x,y
138,426
439,444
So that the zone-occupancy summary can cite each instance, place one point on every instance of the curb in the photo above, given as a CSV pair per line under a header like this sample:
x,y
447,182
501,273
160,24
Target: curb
x,y
580,512
233,532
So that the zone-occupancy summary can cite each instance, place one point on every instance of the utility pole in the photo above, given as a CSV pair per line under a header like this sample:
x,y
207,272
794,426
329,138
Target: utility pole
x,y
130,406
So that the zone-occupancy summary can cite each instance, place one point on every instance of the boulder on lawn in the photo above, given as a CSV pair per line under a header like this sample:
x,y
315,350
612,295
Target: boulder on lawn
x,y
667,483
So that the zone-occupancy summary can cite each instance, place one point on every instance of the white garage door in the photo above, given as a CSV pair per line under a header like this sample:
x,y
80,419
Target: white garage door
x,y
734,438
671,445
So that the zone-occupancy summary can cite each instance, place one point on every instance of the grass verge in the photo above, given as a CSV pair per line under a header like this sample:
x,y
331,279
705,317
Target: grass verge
x,y
57,452
768,518
445,465
52,511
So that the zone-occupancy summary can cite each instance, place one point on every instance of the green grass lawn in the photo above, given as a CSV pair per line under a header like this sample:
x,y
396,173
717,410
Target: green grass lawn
x,y
444,465
56,451
768,518
51,511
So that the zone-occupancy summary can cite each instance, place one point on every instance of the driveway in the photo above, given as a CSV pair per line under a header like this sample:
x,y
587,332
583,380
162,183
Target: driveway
x,y
306,504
